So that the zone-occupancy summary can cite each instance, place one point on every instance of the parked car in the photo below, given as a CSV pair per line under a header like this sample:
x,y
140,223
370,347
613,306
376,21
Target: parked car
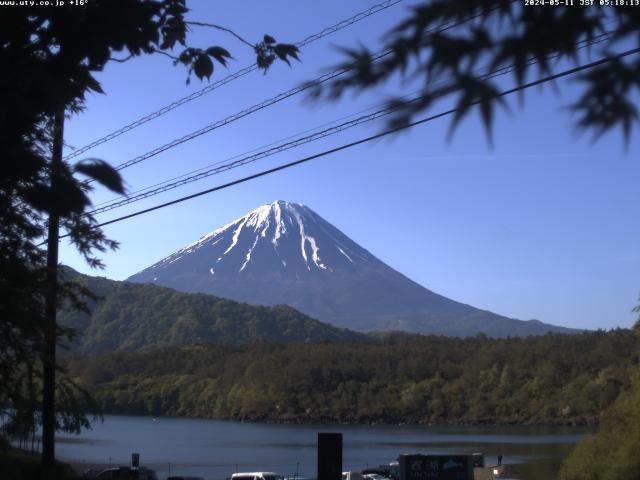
x,y
256,476
386,470
374,476
127,473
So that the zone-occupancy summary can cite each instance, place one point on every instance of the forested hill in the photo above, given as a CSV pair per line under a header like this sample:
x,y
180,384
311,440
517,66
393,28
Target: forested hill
x,y
134,317
546,379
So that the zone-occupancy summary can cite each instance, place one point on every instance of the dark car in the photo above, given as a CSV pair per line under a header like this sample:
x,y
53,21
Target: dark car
x,y
127,473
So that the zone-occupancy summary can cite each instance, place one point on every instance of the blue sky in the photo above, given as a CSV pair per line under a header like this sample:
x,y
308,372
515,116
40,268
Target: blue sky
x,y
543,224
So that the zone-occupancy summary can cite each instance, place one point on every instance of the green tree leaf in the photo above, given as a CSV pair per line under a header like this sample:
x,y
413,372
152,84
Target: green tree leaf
x,y
203,66
101,172
220,54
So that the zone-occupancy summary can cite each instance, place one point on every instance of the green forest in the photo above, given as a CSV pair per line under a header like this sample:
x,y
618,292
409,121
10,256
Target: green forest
x,y
612,452
131,316
550,379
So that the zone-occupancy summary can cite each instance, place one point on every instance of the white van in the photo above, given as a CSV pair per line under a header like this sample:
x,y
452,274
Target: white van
x,y
256,476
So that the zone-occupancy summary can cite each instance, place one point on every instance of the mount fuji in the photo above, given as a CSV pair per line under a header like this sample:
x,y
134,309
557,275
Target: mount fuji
x,y
285,253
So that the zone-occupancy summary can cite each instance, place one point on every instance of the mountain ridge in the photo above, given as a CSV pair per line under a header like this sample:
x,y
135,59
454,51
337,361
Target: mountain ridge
x,y
134,317
285,253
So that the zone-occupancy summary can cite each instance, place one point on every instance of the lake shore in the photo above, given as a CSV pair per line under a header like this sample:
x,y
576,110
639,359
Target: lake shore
x,y
215,449
592,421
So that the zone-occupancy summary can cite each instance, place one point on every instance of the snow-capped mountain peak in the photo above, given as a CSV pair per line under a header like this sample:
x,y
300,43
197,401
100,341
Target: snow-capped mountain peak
x,y
290,233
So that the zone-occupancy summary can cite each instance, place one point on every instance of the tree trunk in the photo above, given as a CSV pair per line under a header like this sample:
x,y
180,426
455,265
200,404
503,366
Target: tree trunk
x,y
49,350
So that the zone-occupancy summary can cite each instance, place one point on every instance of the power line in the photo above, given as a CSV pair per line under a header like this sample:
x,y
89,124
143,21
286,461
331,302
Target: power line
x,y
230,119
269,102
390,131
243,161
235,157
158,150
579,45
229,78
275,148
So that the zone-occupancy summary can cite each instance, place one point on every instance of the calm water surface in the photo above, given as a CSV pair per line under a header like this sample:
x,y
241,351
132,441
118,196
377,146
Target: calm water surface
x,y
216,449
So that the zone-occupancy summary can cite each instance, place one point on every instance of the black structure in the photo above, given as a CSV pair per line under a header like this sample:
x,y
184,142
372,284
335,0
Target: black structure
x,y
329,456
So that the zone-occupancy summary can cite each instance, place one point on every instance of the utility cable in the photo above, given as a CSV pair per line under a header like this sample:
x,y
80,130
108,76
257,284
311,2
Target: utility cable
x,y
370,138
239,155
229,78
277,148
267,103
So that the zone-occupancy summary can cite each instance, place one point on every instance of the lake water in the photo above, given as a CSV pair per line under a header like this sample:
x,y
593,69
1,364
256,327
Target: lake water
x,y
216,449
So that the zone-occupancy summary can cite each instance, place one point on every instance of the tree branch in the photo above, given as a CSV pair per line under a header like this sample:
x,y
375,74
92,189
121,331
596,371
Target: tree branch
x,y
121,60
172,57
224,29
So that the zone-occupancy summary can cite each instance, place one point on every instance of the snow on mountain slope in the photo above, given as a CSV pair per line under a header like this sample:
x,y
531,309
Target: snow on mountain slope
x,y
278,233
285,253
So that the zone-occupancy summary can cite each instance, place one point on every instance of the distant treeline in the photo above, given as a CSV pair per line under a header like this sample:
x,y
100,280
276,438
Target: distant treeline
x,y
558,379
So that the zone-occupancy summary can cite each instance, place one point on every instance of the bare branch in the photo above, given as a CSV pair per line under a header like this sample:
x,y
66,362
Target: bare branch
x,y
172,57
121,60
224,29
